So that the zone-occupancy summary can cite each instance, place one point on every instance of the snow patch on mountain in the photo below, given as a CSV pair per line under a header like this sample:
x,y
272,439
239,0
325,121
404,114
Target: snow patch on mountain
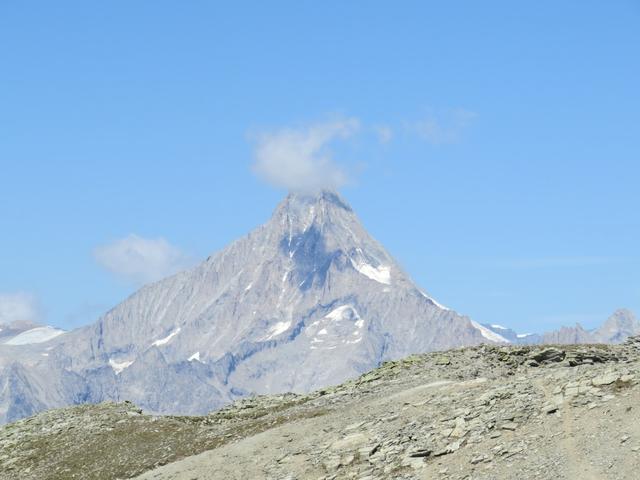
x,y
277,329
167,339
339,313
380,274
341,326
118,367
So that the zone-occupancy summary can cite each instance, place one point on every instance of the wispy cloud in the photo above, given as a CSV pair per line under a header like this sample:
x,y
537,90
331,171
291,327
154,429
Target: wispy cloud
x,y
299,159
140,260
443,126
19,306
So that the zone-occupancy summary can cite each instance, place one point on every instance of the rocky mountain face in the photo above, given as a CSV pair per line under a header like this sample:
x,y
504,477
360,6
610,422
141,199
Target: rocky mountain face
x,y
307,300
484,412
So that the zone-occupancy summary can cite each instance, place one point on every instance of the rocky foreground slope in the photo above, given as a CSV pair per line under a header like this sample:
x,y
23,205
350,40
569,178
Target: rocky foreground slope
x,y
483,412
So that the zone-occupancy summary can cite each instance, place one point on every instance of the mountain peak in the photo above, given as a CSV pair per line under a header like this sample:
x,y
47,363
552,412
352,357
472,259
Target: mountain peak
x,y
321,229
621,318
307,300
623,313
620,325
323,211
296,201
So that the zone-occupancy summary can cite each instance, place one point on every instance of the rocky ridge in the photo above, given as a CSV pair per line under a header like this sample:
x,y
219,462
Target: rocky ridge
x,y
473,413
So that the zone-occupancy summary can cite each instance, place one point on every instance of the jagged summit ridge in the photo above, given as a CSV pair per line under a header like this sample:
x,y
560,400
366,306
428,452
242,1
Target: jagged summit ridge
x,y
303,203
324,225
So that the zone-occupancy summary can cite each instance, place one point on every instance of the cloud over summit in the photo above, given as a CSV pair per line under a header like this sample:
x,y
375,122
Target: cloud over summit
x,y
299,159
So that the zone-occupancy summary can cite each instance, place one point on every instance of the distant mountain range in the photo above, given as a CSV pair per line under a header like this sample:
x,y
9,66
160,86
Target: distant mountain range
x,y
307,300
616,329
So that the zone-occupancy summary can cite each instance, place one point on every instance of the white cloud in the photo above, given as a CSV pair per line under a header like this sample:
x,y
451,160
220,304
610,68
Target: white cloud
x,y
444,127
141,260
298,158
18,306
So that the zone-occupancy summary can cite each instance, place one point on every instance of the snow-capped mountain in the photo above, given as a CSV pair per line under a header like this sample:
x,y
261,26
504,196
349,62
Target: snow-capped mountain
x,y
509,335
25,333
307,300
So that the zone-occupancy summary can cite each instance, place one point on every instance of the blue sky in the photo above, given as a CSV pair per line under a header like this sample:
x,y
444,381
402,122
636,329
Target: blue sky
x,y
495,148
